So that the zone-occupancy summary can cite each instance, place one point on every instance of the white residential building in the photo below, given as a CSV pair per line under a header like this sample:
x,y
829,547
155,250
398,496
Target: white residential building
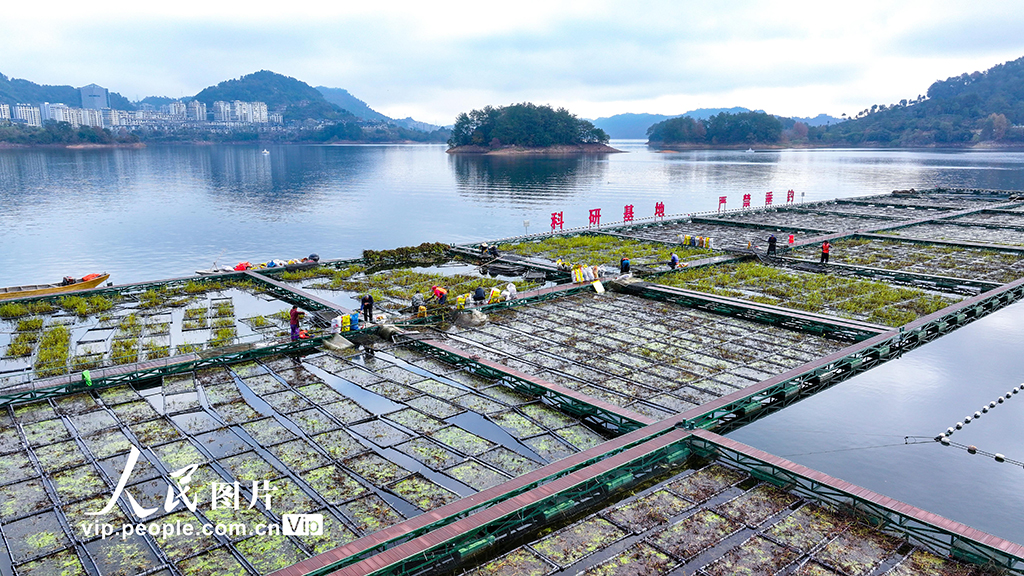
x,y
221,111
176,109
28,113
197,111
5,112
91,117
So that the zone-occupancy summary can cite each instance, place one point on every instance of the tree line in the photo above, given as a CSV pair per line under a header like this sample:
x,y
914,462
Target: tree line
x,y
62,133
524,124
721,129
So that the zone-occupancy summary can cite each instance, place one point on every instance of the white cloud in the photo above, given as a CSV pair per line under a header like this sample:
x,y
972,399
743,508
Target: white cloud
x,y
597,58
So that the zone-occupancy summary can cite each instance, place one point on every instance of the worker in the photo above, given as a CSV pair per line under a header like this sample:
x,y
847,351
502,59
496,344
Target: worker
x,y
493,251
772,241
479,295
418,300
440,293
825,249
513,293
483,250
673,262
624,265
366,305
293,319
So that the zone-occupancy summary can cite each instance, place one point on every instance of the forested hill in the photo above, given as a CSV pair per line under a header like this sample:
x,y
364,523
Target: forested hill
x,y
723,129
16,90
300,100
977,108
526,125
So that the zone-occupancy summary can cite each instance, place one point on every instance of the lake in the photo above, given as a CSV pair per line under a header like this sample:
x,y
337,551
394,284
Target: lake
x,y
159,212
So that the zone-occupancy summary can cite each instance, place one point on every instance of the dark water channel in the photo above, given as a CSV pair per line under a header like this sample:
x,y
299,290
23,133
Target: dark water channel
x,y
855,430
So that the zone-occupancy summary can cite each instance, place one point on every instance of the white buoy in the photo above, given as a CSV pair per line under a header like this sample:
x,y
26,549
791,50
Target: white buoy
x,y
1000,399
967,420
949,431
991,404
1008,395
945,441
985,409
959,425
977,415
1000,458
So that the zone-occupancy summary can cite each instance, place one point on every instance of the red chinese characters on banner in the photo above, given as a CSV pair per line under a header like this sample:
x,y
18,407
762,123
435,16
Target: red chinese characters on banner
x,y
627,213
721,202
659,209
746,200
768,198
595,216
789,195
556,220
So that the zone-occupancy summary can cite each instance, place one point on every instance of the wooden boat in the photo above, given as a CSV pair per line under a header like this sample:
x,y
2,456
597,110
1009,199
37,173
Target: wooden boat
x,y
32,290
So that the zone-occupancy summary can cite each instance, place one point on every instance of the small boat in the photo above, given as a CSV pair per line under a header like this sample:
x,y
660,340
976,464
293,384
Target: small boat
x,y
68,285
750,150
265,152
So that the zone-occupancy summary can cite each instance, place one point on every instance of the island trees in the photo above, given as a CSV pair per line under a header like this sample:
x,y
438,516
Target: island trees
x,y
526,125
724,129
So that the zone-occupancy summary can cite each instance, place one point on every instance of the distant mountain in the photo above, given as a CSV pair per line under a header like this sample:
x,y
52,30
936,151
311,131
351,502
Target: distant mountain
x,y
299,100
16,90
636,125
341,98
972,108
819,120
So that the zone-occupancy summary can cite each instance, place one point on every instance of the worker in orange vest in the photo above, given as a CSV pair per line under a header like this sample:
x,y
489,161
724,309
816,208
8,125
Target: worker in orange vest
x,y
825,248
440,293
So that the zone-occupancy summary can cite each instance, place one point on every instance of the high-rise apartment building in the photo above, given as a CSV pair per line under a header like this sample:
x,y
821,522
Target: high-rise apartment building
x,y
197,111
176,109
28,114
56,112
94,97
91,117
222,111
5,112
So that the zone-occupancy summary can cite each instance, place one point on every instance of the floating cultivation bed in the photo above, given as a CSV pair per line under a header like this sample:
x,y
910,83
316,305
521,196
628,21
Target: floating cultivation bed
x,y
74,333
800,219
394,288
961,233
653,358
866,300
595,249
659,530
723,236
931,259
1015,219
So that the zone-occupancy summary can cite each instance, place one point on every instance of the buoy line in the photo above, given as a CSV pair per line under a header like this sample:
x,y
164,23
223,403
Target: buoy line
x,y
984,410
975,450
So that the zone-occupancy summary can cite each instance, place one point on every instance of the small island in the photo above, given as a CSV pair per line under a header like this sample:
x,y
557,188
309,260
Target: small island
x,y
526,129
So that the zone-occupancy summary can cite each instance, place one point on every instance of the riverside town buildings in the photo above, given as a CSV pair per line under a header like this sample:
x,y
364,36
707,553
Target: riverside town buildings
x,y
96,111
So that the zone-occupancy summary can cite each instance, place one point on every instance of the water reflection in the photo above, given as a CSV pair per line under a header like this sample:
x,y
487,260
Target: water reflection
x,y
536,177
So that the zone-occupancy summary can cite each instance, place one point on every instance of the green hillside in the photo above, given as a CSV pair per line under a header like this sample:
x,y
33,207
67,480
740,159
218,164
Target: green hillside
x,y
980,107
522,125
299,100
16,90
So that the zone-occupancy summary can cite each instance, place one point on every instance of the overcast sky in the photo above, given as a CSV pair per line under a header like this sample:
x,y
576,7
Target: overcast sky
x,y
432,60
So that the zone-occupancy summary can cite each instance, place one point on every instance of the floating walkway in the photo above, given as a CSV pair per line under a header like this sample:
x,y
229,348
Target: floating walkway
x,y
573,432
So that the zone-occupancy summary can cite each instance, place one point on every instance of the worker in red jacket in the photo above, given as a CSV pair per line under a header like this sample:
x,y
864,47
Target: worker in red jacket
x,y
825,249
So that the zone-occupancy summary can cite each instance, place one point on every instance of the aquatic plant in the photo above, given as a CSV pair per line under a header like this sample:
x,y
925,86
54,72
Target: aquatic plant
x,y
224,309
52,357
30,324
129,326
13,310
428,252
222,323
156,350
21,345
259,321
223,337
125,351
188,348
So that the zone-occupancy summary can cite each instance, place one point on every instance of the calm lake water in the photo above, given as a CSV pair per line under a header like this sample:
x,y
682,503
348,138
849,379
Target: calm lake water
x,y
165,211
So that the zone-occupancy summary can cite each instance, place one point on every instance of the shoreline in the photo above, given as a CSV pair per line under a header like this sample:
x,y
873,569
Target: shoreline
x,y
86,146
536,151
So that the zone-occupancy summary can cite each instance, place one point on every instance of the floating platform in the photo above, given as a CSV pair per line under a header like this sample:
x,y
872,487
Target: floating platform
x,y
573,432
